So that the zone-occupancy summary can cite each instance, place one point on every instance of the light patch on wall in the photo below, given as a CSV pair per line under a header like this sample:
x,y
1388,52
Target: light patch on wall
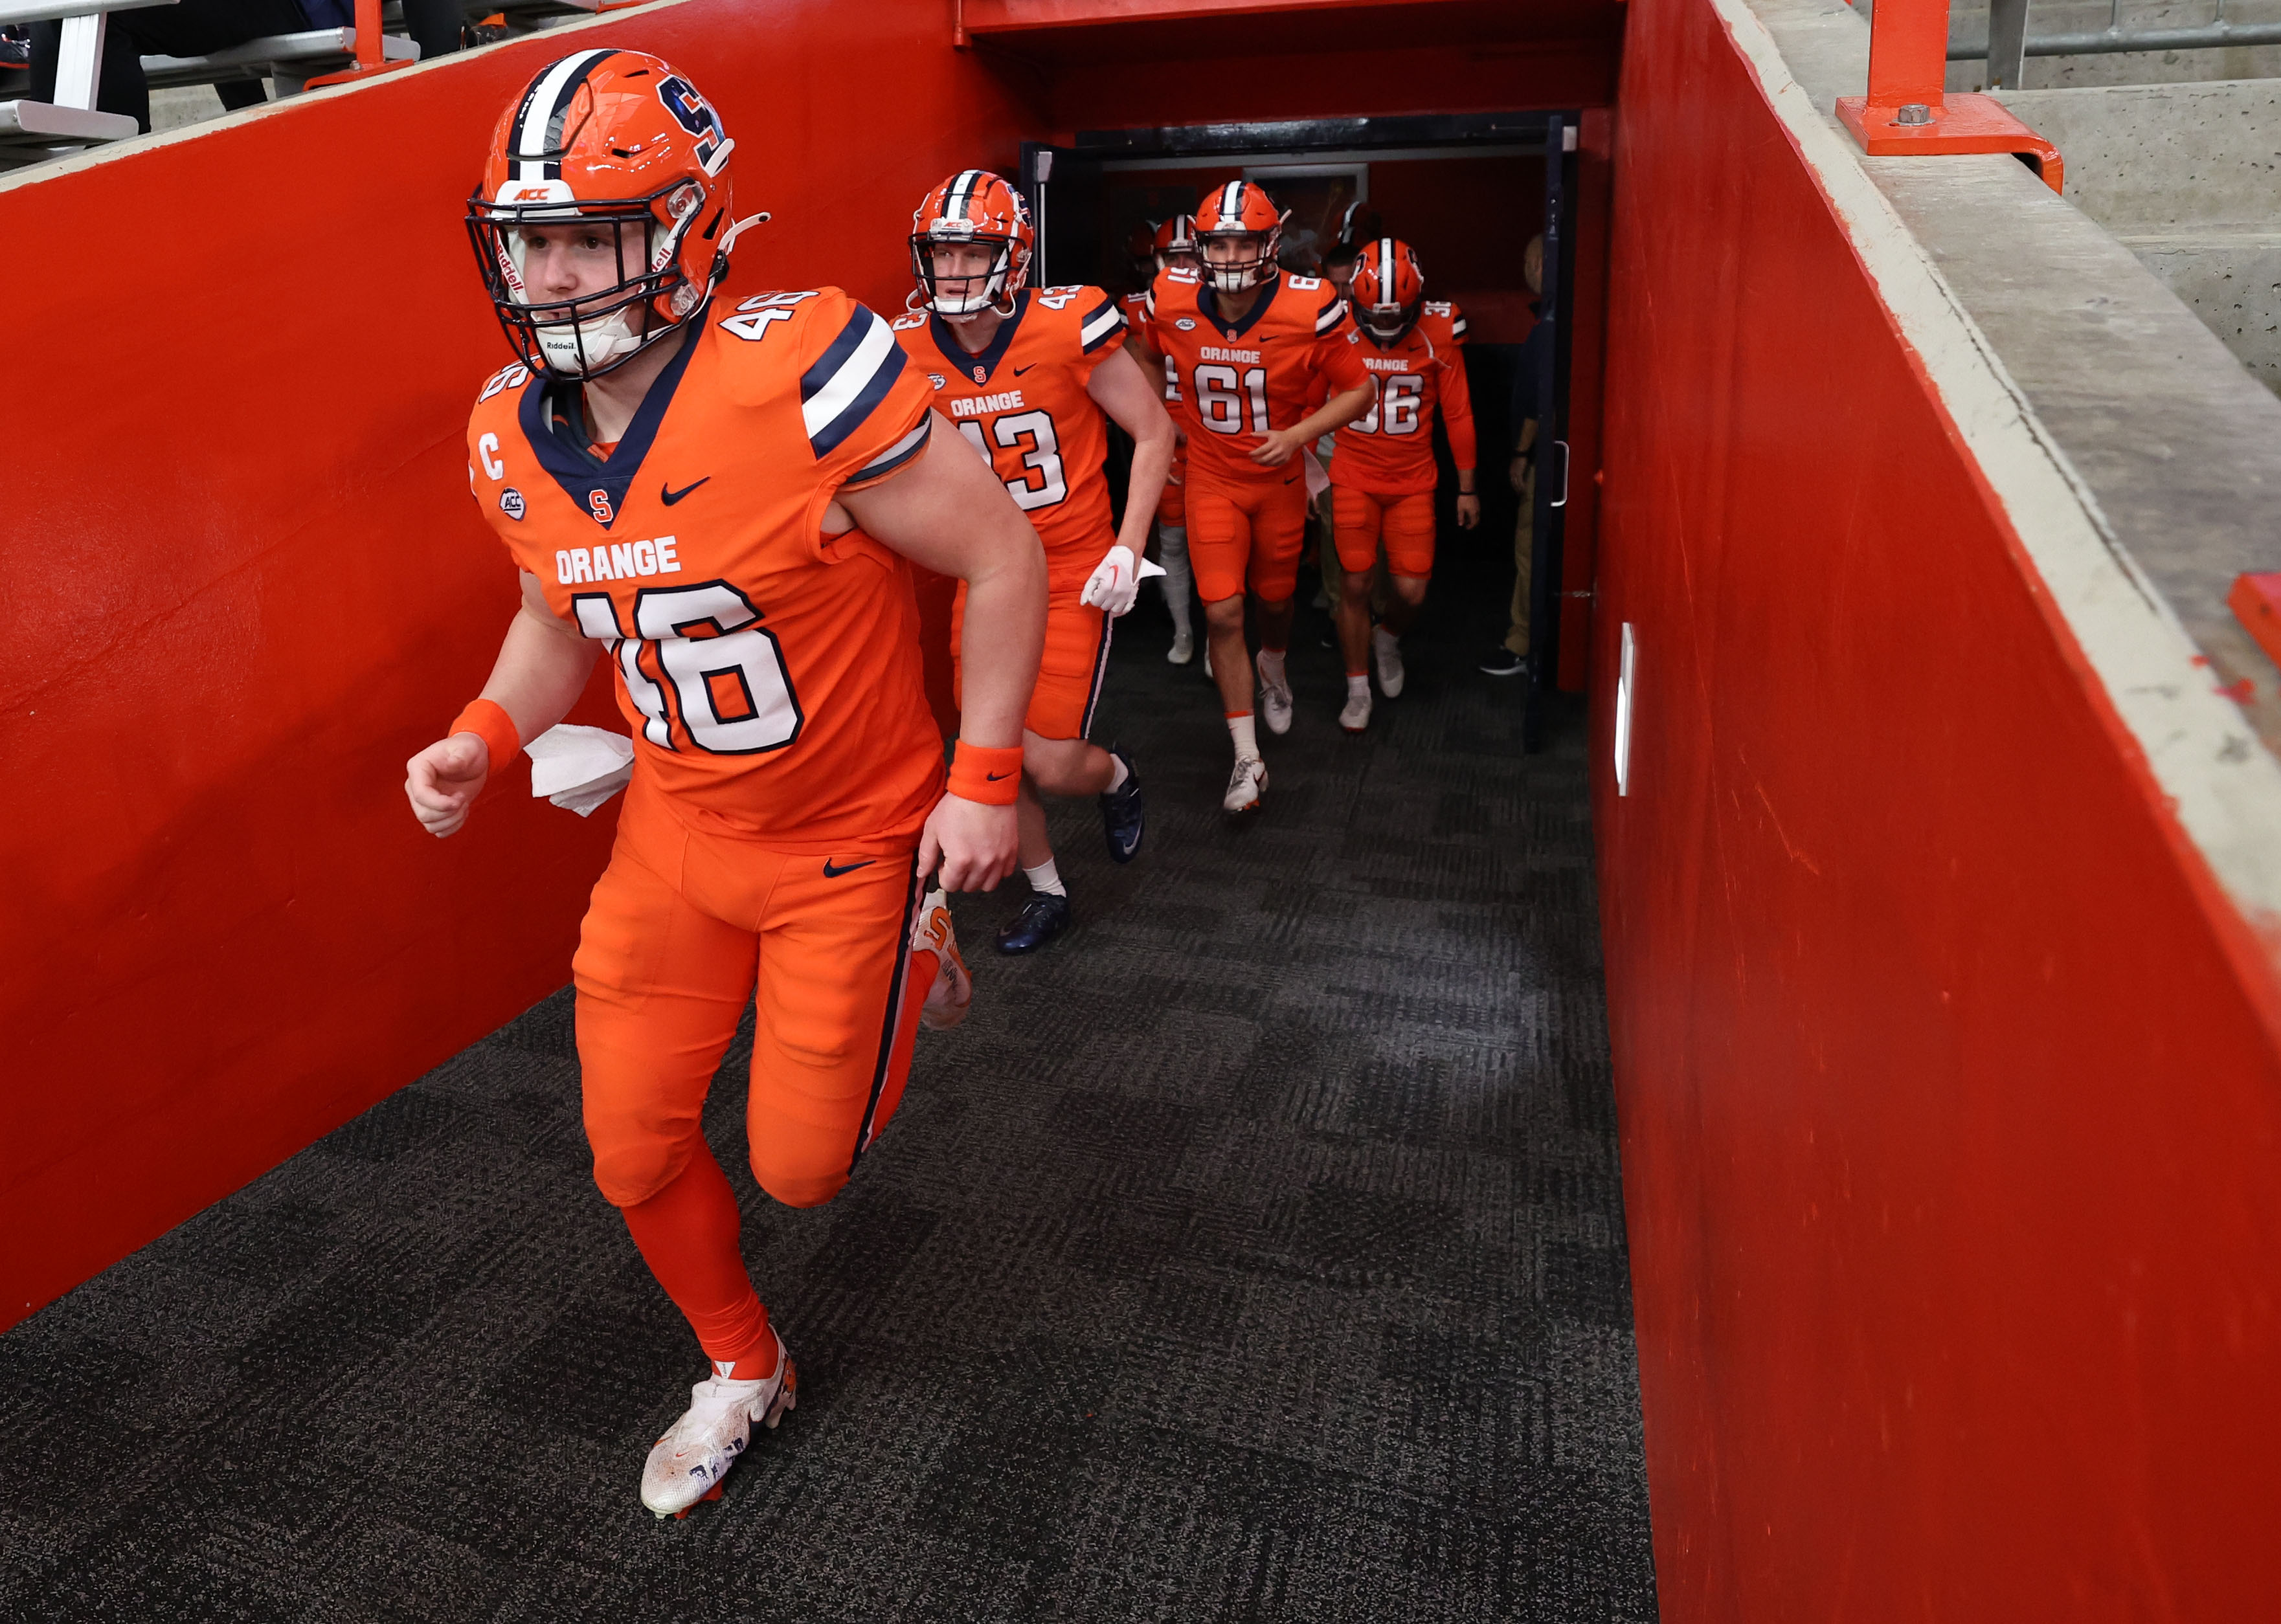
x,y
1624,714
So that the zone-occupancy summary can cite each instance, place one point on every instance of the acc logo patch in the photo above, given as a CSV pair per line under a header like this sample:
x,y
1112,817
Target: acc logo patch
x,y
598,503
1185,324
511,502
938,380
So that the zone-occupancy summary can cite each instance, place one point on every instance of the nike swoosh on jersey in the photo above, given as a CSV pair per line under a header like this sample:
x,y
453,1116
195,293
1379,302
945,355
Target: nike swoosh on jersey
x,y
1018,371
672,496
829,872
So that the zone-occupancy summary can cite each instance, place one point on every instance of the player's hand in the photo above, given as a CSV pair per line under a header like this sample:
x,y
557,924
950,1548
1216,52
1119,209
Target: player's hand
x,y
1276,446
1469,511
1116,582
442,782
975,846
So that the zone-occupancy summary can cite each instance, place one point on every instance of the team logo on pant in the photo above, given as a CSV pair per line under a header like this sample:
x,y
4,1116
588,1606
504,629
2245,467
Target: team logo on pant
x,y
511,502
598,503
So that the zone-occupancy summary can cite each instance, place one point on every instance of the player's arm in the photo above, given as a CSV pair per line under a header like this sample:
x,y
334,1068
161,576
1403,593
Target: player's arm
x,y
542,669
1276,446
1134,402
1125,392
1456,402
947,511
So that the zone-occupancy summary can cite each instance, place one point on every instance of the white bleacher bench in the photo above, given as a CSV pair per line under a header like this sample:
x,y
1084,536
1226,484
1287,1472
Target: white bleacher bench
x,y
30,130
292,59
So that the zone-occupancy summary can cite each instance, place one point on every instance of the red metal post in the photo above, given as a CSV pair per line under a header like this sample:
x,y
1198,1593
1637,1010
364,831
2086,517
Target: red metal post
x,y
370,54
1907,114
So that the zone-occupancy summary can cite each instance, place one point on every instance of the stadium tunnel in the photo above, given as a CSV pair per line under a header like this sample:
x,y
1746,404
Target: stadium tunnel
x,y
1934,817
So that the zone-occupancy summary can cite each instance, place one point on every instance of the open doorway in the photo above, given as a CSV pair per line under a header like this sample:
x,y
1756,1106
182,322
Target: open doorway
x,y
1467,193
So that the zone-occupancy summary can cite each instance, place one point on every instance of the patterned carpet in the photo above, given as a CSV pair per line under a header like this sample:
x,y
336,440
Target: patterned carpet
x,y
1254,1253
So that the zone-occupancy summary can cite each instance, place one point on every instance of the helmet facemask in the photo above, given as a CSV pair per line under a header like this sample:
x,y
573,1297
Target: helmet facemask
x,y
589,334
958,297
1387,323
1248,268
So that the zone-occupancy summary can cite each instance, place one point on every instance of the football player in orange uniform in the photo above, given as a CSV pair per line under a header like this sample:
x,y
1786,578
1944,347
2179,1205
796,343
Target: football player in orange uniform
x,y
1382,472
1027,375
1175,244
1247,342
721,494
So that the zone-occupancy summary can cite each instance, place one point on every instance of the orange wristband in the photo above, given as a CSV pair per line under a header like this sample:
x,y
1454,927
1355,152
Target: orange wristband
x,y
490,720
990,776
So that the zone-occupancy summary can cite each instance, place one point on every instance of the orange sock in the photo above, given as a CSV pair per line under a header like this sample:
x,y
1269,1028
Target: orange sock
x,y
688,1235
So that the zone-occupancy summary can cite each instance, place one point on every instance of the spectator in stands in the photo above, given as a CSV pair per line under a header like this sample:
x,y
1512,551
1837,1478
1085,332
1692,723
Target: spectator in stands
x,y
1510,658
200,27
191,28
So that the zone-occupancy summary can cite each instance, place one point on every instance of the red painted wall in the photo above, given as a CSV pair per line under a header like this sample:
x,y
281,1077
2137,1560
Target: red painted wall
x,y
246,583
1952,1132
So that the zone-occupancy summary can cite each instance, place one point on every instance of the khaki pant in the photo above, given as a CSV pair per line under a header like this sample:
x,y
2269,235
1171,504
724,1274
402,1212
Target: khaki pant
x,y
1524,547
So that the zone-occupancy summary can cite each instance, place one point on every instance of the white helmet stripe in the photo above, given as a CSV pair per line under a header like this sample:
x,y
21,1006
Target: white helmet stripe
x,y
1231,203
961,194
538,121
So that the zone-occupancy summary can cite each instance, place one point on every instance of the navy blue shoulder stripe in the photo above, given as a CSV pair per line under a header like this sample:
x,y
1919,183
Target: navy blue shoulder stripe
x,y
1102,324
848,381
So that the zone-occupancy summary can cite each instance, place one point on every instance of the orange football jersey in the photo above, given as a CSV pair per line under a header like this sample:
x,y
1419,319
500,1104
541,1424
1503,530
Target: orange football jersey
x,y
1149,351
1238,380
770,674
1022,403
1389,449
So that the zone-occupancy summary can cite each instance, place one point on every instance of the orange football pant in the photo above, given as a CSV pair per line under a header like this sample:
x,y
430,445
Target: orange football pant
x,y
685,928
1361,518
1069,669
1247,529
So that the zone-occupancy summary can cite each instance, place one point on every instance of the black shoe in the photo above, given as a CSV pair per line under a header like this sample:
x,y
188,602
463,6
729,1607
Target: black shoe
x,y
15,51
1122,812
1042,918
1503,662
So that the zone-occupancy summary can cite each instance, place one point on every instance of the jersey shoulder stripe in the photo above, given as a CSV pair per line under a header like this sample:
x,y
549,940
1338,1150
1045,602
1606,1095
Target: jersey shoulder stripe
x,y
1105,323
1328,319
848,381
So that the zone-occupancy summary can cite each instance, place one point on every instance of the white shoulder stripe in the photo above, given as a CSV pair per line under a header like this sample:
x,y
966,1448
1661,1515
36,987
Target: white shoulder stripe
x,y
896,453
1101,323
838,390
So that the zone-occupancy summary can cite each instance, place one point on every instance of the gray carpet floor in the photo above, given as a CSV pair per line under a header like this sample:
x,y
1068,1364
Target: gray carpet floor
x,y
1256,1252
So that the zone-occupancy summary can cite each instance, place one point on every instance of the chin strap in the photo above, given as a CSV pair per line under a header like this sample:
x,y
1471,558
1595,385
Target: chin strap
x,y
729,237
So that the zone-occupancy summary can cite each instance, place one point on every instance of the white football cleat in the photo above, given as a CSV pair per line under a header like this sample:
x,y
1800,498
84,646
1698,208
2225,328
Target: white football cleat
x,y
1245,785
1183,648
1275,704
947,1001
1386,652
687,1465
1356,717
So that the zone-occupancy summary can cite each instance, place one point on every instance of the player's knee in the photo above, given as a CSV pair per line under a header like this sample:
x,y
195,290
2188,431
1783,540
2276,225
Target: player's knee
x,y
1059,766
1354,587
1223,613
1411,589
630,1173
802,1187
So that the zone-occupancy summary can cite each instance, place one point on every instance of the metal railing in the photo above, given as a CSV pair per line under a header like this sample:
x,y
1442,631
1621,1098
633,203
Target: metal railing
x,y
2009,42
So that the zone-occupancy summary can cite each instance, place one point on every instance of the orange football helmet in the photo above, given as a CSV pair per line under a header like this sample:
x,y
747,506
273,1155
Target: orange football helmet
x,y
619,147
1388,287
1176,241
1241,214
972,206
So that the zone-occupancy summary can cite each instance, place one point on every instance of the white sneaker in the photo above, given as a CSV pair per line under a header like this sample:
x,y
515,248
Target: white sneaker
x,y
1356,717
1183,648
1275,704
1245,785
953,991
687,1465
1385,649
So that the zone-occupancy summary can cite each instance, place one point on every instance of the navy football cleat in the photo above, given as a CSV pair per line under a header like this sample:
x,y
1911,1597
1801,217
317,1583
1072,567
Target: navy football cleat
x,y
1044,916
1124,812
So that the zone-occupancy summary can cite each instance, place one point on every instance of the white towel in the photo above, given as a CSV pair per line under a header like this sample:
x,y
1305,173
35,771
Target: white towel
x,y
579,767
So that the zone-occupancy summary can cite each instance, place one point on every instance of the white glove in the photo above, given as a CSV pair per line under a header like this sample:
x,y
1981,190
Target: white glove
x,y
1116,582
579,769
